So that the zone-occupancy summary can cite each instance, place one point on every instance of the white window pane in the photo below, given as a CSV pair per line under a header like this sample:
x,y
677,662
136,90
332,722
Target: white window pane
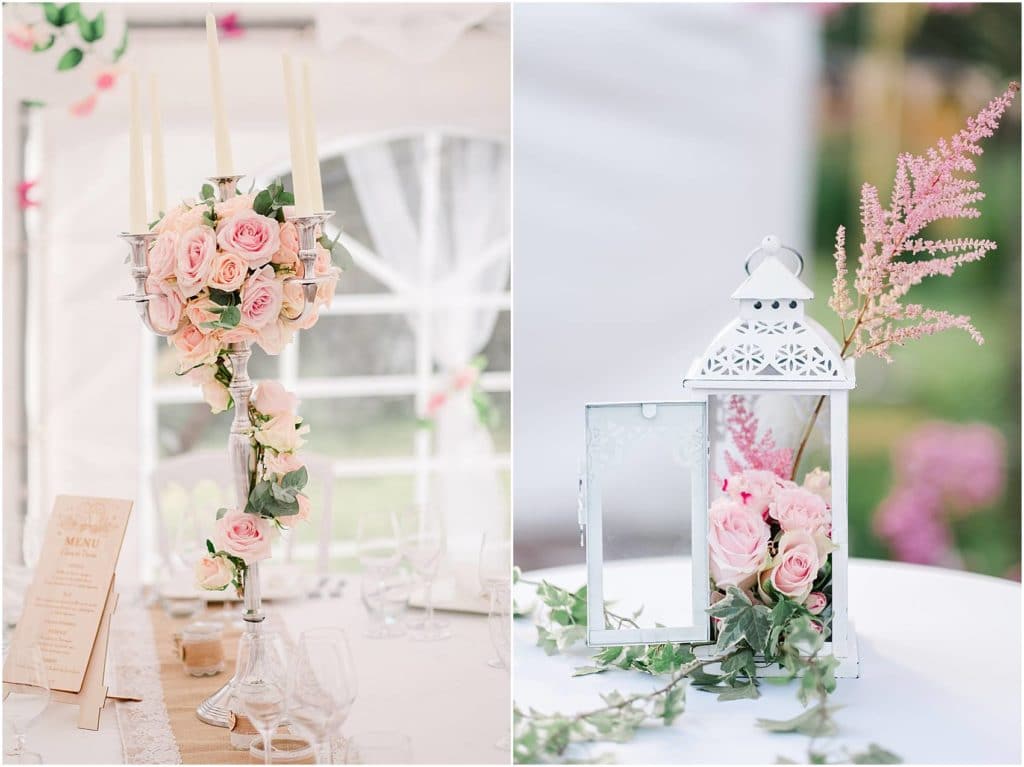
x,y
188,427
361,427
498,350
371,344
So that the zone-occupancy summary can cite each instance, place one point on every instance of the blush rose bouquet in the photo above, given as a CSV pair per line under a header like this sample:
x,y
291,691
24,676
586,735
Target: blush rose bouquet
x,y
768,535
219,274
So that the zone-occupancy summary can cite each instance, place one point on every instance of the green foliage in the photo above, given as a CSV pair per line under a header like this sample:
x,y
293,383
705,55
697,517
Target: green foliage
x,y
91,31
741,620
60,16
270,202
122,46
71,59
39,47
271,499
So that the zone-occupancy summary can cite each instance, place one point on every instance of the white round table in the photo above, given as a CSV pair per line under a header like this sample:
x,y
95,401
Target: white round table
x,y
443,695
940,678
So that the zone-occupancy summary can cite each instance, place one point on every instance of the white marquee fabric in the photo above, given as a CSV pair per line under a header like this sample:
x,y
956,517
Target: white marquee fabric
x,y
85,353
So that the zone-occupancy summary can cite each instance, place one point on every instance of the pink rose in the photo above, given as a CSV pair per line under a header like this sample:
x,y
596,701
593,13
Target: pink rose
x,y
162,256
272,399
215,393
754,489
325,268
281,433
796,565
261,299
197,248
288,250
239,335
737,543
302,516
274,336
254,237
200,310
181,218
819,482
245,536
166,305
816,602
195,347
229,272
240,203
280,464
796,508
214,573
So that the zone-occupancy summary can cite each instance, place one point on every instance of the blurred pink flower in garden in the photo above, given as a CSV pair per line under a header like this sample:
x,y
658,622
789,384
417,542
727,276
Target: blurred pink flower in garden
x,y
940,471
22,36
966,463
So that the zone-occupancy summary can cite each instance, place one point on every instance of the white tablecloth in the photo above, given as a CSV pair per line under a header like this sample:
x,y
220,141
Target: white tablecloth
x,y
940,678
443,695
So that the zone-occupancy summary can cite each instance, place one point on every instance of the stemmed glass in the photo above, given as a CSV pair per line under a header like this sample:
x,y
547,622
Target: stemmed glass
x,y
499,621
26,703
262,687
422,541
322,688
494,571
384,583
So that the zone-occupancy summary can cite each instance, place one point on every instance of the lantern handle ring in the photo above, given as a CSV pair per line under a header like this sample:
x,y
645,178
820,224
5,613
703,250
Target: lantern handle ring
x,y
771,245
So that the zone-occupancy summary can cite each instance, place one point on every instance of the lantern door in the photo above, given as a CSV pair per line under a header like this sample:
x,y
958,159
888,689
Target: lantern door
x,y
644,496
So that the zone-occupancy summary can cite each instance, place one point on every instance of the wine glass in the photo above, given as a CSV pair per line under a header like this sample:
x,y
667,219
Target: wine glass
x,y
422,542
499,621
384,582
261,688
321,688
494,571
27,702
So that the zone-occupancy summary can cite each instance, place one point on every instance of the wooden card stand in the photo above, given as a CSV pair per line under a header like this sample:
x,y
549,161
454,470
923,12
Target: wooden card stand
x,y
63,614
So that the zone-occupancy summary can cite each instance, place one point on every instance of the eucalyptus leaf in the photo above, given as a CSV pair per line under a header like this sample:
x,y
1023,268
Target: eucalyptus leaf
x,y
52,13
122,46
70,13
39,47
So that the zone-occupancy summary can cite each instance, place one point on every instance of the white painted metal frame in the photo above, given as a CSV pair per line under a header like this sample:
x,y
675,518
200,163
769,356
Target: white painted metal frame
x,y
592,523
416,301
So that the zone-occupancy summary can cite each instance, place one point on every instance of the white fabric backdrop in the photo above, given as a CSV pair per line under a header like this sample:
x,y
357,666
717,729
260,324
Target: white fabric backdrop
x,y
86,361
655,145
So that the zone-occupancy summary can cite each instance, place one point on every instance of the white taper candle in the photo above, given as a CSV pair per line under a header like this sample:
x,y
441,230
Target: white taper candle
x,y
159,184
136,167
316,187
300,181
222,142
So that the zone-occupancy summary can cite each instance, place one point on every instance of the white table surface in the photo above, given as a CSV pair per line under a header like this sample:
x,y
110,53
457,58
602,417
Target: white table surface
x,y
442,694
940,677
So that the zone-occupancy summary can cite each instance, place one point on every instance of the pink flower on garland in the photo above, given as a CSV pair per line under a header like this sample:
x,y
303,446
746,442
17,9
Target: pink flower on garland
x,y
24,201
22,36
228,26
84,107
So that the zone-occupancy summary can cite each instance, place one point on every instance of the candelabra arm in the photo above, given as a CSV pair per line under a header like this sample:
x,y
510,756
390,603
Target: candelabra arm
x,y
307,228
138,260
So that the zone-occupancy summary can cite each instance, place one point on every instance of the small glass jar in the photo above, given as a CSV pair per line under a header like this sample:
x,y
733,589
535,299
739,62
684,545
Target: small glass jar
x,y
202,648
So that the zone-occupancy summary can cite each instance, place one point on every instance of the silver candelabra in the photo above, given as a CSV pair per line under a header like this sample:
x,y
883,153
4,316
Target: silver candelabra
x,y
215,709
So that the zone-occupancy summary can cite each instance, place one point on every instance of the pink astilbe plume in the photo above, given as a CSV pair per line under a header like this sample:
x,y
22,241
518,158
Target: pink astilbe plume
x,y
755,452
926,189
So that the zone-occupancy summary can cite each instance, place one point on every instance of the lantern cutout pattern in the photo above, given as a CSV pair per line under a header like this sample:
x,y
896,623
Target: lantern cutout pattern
x,y
776,359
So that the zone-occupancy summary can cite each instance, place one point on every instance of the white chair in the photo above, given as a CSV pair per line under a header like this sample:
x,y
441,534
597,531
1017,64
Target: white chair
x,y
200,483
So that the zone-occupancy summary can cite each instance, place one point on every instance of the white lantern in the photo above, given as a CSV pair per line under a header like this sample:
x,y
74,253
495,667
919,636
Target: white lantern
x,y
652,469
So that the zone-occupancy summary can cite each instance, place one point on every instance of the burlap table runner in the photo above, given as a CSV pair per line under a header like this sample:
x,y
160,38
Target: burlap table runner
x,y
198,743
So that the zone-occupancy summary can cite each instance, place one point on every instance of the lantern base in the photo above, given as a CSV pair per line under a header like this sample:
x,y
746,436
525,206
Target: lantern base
x,y
848,668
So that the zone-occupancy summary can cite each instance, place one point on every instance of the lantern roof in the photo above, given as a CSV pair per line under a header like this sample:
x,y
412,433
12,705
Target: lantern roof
x,y
773,280
772,344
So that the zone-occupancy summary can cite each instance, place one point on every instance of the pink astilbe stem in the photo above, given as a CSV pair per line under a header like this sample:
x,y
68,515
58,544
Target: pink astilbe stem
x,y
755,452
926,189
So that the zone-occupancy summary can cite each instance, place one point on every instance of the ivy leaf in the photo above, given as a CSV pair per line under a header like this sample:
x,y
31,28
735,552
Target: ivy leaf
x,y
740,693
815,722
588,670
52,13
122,46
69,13
875,754
39,47
71,59
741,620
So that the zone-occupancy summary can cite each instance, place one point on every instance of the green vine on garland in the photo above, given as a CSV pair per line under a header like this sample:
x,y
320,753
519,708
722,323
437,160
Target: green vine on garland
x,y
749,635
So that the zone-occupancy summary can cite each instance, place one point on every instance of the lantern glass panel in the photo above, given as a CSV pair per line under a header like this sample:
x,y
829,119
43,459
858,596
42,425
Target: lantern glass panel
x,y
646,496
